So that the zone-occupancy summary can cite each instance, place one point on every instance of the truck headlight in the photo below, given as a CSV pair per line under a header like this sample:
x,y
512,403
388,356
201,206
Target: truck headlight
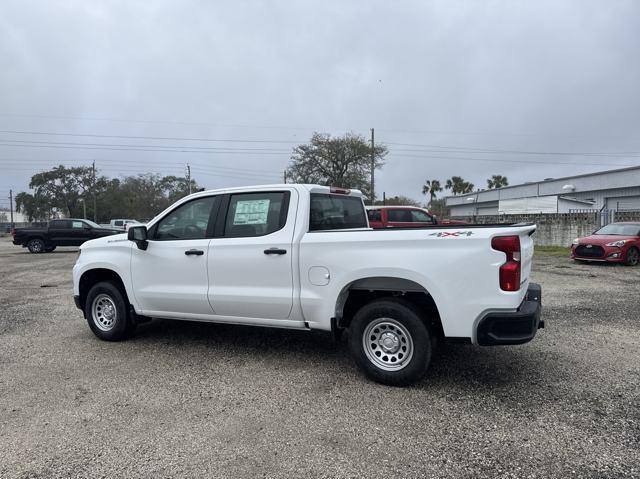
x,y
618,243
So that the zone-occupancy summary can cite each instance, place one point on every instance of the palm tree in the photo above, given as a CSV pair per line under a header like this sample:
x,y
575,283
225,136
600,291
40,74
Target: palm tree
x,y
431,187
467,187
497,181
456,184
449,185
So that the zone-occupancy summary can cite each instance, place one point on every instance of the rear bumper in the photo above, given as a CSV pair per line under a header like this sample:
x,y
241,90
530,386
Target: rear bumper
x,y
516,327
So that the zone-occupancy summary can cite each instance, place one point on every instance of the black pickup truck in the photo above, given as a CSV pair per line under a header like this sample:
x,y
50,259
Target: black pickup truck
x,y
67,232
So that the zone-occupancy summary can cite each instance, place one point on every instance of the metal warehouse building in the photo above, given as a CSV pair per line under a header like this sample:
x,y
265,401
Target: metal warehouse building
x,y
615,190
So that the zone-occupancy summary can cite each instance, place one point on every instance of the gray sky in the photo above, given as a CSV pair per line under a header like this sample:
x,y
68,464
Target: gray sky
x,y
453,78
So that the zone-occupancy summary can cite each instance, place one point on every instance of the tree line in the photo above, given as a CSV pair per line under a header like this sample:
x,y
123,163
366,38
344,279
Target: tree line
x,y
459,186
344,161
69,192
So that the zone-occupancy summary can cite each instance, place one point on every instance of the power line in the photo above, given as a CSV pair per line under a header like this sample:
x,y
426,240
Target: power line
x,y
130,137
275,151
133,146
156,150
159,163
519,152
409,131
235,140
161,122
177,170
440,157
492,133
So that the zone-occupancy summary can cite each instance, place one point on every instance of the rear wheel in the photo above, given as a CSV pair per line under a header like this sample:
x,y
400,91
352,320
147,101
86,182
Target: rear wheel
x,y
106,312
633,257
390,342
36,245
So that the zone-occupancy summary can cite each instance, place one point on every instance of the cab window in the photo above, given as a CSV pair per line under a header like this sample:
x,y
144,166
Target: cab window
x,y
187,221
400,216
77,225
256,214
421,217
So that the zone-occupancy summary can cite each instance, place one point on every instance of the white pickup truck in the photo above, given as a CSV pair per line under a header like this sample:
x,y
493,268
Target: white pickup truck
x,y
304,257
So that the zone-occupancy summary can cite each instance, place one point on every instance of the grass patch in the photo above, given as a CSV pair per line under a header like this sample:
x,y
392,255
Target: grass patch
x,y
552,251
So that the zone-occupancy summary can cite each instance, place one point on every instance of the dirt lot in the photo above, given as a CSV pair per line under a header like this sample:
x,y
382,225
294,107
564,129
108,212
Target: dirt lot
x,y
187,399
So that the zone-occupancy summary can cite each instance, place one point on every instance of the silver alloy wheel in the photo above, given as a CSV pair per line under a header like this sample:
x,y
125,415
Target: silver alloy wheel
x,y
103,312
387,344
632,256
36,246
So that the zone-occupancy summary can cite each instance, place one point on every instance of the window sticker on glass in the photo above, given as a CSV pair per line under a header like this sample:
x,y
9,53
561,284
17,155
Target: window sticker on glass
x,y
251,212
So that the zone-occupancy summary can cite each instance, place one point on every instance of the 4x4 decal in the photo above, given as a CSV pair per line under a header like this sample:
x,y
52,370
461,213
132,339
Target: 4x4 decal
x,y
454,234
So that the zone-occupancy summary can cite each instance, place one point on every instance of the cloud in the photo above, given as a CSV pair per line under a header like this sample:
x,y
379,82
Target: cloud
x,y
540,76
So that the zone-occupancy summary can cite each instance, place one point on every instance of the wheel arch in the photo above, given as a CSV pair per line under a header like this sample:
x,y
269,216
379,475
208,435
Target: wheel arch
x,y
36,236
364,290
97,275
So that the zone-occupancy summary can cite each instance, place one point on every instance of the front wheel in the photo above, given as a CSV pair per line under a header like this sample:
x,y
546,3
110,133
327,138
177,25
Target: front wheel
x,y
106,312
390,342
632,258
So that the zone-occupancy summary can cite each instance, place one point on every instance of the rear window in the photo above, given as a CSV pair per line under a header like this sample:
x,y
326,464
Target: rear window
x,y
60,224
332,212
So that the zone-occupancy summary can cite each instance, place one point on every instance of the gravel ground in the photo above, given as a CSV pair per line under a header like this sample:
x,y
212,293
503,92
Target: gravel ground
x,y
188,399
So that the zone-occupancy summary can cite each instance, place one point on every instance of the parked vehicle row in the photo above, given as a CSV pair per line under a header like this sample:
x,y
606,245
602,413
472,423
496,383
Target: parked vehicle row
x,y
304,257
65,232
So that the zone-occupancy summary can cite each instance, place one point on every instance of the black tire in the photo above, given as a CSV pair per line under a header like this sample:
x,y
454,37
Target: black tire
x,y
49,249
36,245
407,345
632,258
107,312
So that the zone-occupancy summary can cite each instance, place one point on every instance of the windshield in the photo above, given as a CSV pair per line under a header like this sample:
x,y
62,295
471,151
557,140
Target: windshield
x,y
92,224
620,230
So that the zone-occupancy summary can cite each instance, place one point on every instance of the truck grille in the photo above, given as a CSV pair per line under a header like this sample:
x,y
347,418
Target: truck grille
x,y
590,251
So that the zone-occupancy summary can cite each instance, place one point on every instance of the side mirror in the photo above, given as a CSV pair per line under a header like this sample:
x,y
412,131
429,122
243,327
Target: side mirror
x,y
138,234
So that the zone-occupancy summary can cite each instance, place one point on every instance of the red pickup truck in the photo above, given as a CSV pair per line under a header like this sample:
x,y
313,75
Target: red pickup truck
x,y
404,217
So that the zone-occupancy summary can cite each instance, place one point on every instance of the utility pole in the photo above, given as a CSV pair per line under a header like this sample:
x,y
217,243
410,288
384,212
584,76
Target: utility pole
x,y
373,167
189,177
284,175
11,206
95,210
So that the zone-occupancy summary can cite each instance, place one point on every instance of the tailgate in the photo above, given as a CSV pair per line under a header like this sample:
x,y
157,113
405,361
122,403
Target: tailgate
x,y
526,252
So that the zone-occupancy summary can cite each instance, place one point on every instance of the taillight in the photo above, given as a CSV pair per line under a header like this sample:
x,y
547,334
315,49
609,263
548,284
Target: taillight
x,y
509,271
